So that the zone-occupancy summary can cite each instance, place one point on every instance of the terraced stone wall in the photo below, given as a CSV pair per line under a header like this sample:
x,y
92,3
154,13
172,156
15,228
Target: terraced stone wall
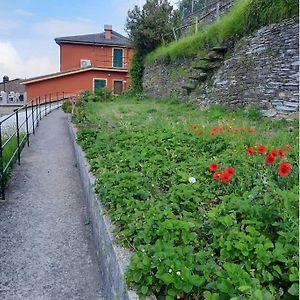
x,y
263,71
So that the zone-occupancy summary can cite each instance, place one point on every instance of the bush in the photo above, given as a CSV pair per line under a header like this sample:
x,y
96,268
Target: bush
x,y
67,106
102,95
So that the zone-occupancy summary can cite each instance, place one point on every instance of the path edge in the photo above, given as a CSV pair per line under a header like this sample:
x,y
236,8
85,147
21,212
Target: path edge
x,y
112,259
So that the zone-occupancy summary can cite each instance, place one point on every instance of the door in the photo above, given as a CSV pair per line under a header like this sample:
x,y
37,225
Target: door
x,y
118,58
99,84
118,87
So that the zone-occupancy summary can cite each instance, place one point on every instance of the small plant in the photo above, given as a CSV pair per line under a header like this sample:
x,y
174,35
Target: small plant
x,y
67,106
102,95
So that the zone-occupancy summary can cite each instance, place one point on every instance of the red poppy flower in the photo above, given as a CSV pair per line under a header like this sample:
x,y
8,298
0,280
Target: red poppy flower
x,y
261,149
228,130
250,151
270,159
230,171
225,177
251,130
288,147
213,167
284,169
281,153
199,132
213,133
221,127
182,296
273,152
217,175
243,129
235,130
194,127
214,129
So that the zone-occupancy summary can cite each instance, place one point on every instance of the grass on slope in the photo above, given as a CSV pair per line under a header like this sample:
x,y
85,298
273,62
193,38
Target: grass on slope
x,y
245,17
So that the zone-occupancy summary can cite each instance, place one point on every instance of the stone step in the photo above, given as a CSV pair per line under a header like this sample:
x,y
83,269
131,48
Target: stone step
x,y
212,58
208,67
221,50
201,77
189,87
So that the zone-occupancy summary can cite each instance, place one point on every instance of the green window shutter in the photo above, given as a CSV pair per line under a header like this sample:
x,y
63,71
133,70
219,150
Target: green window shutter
x,y
99,84
118,58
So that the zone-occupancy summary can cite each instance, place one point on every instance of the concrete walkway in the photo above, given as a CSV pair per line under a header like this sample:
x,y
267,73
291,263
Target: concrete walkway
x,y
46,247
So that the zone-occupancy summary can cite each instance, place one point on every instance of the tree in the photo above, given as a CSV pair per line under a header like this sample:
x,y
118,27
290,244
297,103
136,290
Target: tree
x,y
152,25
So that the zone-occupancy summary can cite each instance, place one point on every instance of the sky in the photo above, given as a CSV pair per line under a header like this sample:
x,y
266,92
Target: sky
x,y
28,29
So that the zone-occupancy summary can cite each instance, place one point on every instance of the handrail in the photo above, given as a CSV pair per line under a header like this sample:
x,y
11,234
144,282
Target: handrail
x,y
28,116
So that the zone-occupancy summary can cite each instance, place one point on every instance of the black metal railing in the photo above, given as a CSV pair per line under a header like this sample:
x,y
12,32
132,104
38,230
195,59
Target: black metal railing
x,y
16,128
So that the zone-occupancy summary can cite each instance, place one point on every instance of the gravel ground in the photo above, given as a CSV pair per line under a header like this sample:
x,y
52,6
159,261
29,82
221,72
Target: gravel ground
x,y
46,246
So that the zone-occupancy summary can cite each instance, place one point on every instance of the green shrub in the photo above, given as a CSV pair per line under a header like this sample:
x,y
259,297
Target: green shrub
x,y
67,106
102,94
86,96
136,73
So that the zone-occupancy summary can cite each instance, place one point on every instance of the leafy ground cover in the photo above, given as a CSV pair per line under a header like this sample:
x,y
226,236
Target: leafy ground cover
x,y
208,200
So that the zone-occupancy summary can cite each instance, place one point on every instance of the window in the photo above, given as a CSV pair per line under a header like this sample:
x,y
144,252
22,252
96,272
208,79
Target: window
x,y
118,87
99,84
117,58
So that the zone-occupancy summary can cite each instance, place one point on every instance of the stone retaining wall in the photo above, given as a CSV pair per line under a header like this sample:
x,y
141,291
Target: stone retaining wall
x,y
263,71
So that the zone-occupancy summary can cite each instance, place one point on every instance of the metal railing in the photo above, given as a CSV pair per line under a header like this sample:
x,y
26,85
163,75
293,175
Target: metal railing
x,y
16,128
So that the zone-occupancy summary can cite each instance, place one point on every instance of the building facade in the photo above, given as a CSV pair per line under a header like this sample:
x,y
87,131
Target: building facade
x,y
87,62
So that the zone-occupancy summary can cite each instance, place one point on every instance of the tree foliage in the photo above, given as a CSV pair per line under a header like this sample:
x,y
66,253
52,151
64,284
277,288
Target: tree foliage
x,y
152,25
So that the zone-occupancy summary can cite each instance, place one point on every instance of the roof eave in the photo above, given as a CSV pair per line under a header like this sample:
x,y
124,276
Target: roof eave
x,y
91,43
62,74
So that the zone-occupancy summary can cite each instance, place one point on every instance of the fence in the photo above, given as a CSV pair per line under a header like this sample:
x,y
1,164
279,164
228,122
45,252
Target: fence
x,y
202,15
16,128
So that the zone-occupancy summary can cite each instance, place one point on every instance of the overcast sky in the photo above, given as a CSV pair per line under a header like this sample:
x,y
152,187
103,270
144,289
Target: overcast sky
x,y
28,29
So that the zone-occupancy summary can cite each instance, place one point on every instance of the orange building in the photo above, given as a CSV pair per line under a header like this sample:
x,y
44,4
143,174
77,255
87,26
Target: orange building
x,y
87,62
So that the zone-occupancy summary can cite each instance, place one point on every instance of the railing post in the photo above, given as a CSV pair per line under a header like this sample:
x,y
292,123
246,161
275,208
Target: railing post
x,y
32,117
40,108
50,103
45,105
36,112
18,137
1,166
218,11
27,128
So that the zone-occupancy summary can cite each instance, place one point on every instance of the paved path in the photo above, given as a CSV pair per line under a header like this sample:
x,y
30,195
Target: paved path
x,y
46,250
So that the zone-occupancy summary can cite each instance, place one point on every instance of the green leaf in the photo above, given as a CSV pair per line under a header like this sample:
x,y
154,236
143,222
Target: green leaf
x,y
294,289
244,288
258,295
197,280
167,278
144,290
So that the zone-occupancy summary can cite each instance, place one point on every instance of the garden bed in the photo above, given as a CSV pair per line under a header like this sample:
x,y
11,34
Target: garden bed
x,y
208,206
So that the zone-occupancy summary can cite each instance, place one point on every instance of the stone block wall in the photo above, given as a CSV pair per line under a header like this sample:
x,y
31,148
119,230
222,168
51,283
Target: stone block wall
x,y
262,71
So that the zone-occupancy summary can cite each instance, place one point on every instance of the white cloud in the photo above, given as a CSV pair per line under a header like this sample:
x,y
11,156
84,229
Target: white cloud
x,y
59,28
13,65
23,12
85,20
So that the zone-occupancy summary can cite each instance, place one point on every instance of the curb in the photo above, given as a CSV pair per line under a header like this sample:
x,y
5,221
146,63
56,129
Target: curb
x,y
112,259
